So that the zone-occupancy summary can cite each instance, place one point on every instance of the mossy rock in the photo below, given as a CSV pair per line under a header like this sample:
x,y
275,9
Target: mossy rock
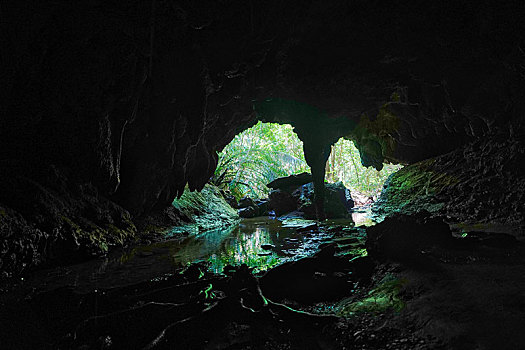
x,y
413,188
206,209
380,299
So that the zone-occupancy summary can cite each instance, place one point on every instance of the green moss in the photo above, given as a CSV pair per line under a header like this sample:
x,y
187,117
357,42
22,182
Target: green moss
x,y
415,187
153,229
206,209
3,216
95,237
378,130
380,299
395,97
119,236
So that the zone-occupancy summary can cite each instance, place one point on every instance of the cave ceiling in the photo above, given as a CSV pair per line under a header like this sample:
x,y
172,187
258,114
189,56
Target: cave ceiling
x,y
137,97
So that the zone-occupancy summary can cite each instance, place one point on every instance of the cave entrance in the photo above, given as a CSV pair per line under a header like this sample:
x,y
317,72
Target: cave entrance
x,y
257,156
267,151
364,183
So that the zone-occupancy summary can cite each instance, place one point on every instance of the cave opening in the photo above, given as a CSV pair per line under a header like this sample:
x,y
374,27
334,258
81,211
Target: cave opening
x,y
256,157
365,183
267,151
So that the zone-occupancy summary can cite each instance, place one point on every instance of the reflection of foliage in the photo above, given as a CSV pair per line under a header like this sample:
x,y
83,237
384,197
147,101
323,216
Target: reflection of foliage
x,y
245,250
258,156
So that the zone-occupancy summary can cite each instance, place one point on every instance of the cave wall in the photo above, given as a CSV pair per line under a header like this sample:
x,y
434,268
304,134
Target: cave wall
x,y
112,107
480,183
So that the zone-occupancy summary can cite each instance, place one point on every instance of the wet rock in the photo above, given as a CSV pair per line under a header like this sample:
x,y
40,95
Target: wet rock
x,y
362,267
402,237
290,183
310,227
267,246
246,202
250,208
346,240
55,224
479,183
337,203
322,277
492,239
206,209
262,206
293,194
281,202
248,212
291,220
326,250
230,199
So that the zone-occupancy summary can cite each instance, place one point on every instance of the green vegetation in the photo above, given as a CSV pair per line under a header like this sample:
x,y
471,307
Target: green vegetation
x,y
97,239
258,156
344,164
416,187
204,210
268,151
384,297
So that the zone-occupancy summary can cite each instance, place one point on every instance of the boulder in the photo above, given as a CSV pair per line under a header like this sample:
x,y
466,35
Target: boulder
x,y
246,202
290,183
205,210
262,206
338,201
248,212
296,193
401,237
281,202
230,199
249,208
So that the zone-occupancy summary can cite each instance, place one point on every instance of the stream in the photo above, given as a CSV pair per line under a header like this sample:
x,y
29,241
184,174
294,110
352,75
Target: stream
x,y
261,243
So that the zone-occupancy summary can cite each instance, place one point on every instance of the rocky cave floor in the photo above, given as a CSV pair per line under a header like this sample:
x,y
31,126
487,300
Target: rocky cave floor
x,y
464,292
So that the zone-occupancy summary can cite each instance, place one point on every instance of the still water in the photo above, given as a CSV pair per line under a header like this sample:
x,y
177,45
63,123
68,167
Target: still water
x,y
260,243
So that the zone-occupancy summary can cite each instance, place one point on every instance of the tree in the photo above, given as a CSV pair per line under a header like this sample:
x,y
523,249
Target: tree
x,y
268,151
258,156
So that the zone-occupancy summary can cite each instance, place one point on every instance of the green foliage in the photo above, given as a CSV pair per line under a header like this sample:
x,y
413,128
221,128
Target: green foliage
x,y
268,151
258,156
206,210
344,164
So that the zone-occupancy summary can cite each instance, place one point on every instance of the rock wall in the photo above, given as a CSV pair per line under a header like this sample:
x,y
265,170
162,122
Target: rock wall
x,y
482,182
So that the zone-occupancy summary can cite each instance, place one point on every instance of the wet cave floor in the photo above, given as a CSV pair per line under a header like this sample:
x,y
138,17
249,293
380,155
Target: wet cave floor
x,y
273,284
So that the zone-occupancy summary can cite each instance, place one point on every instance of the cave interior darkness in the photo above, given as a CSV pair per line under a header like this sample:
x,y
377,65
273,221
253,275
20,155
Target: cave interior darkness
x,y
110,109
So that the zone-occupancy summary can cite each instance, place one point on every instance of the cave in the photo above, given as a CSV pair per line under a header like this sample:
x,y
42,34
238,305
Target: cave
x,y
112,111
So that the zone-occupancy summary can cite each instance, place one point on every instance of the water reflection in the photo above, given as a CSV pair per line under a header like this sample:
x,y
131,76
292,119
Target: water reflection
x,y
242,244
238,244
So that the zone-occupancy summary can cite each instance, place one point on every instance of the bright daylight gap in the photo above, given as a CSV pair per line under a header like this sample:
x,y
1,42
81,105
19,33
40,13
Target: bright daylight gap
x,y
268,151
